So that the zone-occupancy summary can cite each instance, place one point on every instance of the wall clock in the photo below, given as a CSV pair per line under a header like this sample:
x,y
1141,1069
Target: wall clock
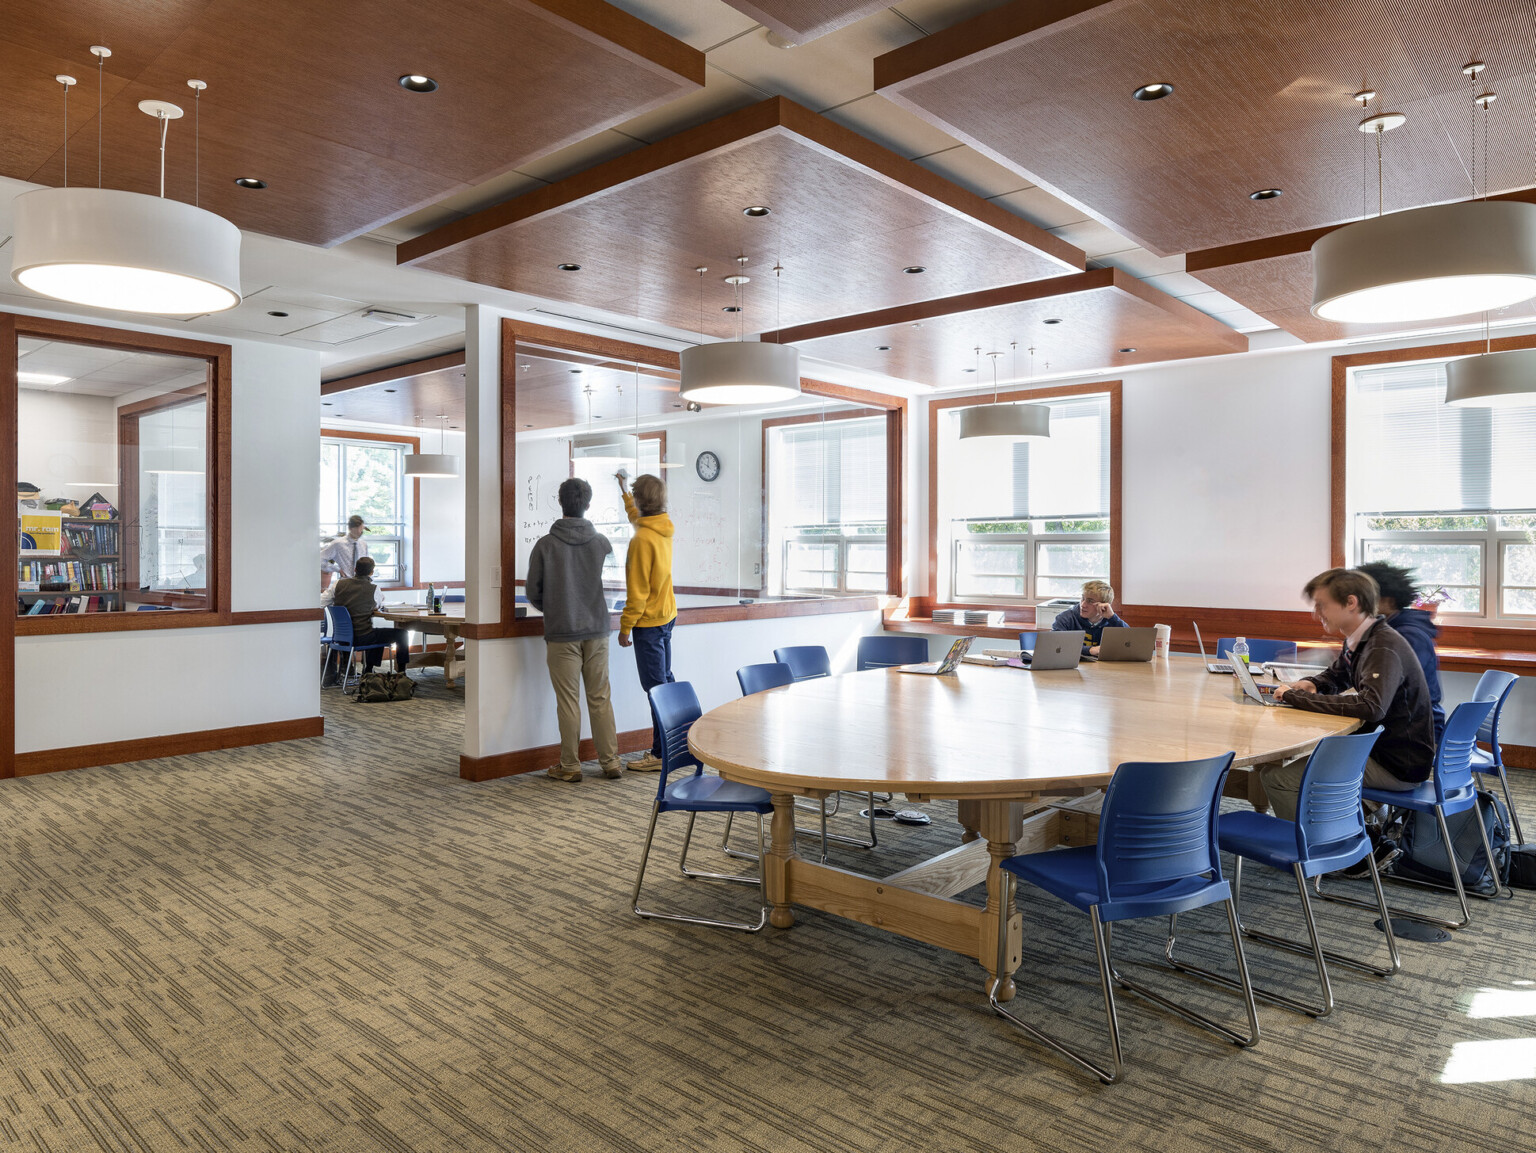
x,y
707,466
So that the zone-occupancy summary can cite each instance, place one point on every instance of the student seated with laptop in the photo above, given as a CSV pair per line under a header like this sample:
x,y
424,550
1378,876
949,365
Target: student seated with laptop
x,y
1376,678
1094,613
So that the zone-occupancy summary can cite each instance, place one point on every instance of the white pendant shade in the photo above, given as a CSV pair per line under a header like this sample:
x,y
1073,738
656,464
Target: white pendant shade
x,y
431,464
739,372
1426,263
1493,380
1015,421
126,251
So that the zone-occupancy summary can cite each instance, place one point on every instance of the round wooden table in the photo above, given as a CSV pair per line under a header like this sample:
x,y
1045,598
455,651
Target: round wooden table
x,y
995,739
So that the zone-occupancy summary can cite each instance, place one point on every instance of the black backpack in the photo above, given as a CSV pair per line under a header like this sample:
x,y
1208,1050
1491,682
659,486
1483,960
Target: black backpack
x,y
374,687
1424,858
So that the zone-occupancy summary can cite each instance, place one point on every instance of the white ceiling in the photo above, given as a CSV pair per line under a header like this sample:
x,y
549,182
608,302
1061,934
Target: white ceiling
x,y
93,371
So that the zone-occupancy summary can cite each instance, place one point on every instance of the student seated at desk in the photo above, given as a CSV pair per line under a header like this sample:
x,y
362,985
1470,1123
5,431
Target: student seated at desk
x,y
1094,613
361,598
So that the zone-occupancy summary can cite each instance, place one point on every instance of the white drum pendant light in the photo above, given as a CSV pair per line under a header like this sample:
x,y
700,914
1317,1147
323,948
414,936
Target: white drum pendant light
x,y
740,372
106,248
1010,421
431,464
1494,380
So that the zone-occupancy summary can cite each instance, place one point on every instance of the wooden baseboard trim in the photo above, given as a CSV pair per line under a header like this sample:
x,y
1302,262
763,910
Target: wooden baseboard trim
x,y
275,617
1519,756
174,745
533,760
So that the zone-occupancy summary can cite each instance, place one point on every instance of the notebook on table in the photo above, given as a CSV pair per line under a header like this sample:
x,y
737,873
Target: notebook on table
x,y
943,668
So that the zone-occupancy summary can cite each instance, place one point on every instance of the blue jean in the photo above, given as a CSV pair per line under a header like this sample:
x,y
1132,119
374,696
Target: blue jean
x,y
653,659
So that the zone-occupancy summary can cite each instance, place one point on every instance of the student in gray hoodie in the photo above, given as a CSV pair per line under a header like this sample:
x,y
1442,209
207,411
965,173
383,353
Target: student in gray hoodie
x,y
565,583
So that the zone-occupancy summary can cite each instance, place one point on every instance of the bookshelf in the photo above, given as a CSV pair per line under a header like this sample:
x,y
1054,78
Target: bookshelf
x,y
84,576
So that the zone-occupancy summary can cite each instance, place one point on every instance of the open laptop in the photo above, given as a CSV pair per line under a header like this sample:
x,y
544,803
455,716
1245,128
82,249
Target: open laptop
x,y
1251,688
1052,650
1210,665
1127,644
943,668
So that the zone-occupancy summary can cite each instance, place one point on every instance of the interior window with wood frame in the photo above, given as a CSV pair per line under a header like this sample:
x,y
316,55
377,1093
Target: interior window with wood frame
x,y
1024,521
115,512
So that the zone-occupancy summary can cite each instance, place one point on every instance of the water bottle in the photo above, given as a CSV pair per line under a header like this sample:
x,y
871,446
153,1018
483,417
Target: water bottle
x,y
1240,649
431,599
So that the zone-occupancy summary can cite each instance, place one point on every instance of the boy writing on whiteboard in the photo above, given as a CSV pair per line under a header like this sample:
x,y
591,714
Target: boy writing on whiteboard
x,y
650,608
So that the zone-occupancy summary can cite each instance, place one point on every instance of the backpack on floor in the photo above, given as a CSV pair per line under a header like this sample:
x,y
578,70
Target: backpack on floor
x,y
1522,867
1424,859
375,687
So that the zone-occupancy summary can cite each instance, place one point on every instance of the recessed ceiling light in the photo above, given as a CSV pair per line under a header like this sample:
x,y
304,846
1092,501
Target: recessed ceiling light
x,y
47,379
914,269
1127,350
575,372
730,308
569,267
1154,91
1266,194
250,182
756,211
1052,320
677,406
416,82
882,348
327,403
967,370
389,390
277,314
525,367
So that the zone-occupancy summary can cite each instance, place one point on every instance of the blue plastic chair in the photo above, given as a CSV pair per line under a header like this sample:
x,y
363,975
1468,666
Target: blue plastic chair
x,y
761,678
1495,686
674,708
807,662
1449,790
885,652
453,598
1156,857
1328,834
1260,651
338,637
1028,640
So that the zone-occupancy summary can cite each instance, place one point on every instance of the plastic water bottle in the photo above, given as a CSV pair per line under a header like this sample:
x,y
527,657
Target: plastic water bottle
x,y
431,599
1240,649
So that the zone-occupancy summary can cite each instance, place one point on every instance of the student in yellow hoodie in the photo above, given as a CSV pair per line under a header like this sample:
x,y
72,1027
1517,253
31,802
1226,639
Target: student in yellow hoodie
x,y
650,608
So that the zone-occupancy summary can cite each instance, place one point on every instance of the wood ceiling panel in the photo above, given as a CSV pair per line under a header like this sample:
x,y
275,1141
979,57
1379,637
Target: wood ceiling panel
x,y
1262,99
847,217
401,400
304,96
551,391
801,20
1100,312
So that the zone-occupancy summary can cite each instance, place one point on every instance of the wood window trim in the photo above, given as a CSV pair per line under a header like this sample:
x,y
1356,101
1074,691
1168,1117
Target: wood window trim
x,y
1114,388
895,442
414,444
516,332
219,358
1338,526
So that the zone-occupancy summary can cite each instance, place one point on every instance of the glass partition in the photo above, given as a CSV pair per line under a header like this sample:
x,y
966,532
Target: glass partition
x,y
112,463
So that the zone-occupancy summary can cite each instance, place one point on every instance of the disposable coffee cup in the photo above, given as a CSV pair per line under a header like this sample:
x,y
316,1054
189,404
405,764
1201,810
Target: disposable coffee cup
x,y
1162,640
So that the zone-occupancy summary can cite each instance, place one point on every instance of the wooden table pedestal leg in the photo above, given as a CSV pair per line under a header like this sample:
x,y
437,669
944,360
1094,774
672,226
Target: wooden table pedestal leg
x,y
970,820
776,867
1002,824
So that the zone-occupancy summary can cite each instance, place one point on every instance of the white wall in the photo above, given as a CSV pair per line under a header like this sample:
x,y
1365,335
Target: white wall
x,y
159,682
442,518
63,437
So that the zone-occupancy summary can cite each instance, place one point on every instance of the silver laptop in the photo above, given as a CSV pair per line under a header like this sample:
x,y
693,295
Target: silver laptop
x,y
943,668
1052,650
1117,644
1251,687
1210,665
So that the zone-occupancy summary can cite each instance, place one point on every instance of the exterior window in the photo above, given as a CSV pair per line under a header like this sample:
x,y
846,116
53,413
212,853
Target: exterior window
x,y
367,478
827,505
1025,521
1448,493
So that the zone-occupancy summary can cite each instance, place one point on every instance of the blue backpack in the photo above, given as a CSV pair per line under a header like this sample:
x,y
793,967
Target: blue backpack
x,y
1424,859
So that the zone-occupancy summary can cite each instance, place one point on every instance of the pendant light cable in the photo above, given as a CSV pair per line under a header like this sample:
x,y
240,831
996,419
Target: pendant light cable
x,y
701,270
165,126
101,53
66,82
197,87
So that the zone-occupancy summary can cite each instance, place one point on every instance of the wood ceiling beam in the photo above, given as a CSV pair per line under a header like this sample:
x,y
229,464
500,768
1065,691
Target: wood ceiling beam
x,y
776,114
610,29
970,40
393,372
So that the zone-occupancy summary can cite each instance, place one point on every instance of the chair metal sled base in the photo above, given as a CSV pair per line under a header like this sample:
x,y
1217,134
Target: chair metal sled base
x,y
1108,978
1315,950
697,875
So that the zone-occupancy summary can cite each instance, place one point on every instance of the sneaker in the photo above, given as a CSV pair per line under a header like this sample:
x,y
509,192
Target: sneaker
x,y
1385,853
615,771
646,764
559,773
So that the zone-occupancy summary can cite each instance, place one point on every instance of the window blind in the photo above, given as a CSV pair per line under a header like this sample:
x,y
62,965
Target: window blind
x,y
1410,452
1064,476
829,473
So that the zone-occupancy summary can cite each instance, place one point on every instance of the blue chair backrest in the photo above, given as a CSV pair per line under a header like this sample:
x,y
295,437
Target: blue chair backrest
x,y
453,598
1028,640
338,625
1259,650
760,678
1453,762
1158,824
674,708
1328,815
1494,685
807,662
884,652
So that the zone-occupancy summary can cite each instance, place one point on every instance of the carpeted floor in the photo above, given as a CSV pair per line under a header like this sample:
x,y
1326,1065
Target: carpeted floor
x,y
337,944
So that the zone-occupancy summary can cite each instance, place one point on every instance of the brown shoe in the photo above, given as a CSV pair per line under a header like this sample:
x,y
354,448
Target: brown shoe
x,y
615,771
560,773
645,764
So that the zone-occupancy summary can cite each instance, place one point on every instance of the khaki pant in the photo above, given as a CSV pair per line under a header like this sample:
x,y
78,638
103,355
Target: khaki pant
x,y
1283,783
570,664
